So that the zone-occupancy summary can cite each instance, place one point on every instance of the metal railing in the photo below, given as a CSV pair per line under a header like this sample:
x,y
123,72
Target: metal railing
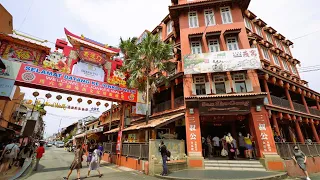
x,y
136,150
314,111
162,106
179,101
109,147
280,102
299,107
285,150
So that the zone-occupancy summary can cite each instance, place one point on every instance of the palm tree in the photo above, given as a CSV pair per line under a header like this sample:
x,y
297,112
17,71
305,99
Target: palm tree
x,y
147,63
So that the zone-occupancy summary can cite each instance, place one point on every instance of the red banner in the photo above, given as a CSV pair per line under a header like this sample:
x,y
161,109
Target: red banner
x,y
92,56
119,142
36,75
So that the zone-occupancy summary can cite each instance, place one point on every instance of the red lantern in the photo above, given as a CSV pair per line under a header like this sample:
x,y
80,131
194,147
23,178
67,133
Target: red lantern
x,y
35,94
48,95
86,109
59,97
98,103
89,101
79,100
106,104
69,99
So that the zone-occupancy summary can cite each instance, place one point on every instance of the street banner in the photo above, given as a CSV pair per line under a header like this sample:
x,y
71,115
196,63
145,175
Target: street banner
x,y
244,59
34,75
119,142
11,70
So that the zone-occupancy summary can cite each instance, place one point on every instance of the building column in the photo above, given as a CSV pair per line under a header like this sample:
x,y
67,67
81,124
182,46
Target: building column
x,y
266,88
289,98
120,137
318,105
172,96
305,103
314,131
299,133
275,124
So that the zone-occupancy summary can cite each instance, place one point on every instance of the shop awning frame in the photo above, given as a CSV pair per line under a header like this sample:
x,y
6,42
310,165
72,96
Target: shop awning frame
x,y
80,135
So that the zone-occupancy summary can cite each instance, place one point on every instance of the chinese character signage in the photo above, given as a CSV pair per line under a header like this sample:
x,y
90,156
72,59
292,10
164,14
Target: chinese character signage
x,y
34,75
17,52
193,135
224,107
92,56
222,61
119,142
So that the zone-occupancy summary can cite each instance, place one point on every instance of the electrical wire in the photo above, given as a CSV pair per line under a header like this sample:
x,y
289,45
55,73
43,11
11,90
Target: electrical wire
x,y
26,14
64,116
306,34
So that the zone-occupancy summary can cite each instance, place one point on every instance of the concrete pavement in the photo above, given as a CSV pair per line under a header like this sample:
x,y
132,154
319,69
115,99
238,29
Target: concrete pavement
x,y
56,162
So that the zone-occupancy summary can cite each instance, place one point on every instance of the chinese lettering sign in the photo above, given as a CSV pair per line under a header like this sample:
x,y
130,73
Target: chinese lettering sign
x,y
92,56
193,135
224,107
243,59
34,75
17,52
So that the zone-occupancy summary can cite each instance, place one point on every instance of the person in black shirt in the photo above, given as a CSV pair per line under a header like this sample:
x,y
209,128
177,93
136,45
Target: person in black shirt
x,y
163,151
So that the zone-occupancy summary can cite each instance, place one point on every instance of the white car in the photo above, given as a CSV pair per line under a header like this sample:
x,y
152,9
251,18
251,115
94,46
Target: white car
x,y
59,144
49,144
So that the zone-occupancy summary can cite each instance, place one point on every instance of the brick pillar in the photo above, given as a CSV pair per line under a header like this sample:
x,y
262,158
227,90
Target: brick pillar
x,y
172,96
289,98
275,124
266,88
299,133
314,131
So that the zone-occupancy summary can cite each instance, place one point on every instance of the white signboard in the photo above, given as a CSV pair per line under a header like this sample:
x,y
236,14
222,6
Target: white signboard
x,y
141,108
222,61
89,71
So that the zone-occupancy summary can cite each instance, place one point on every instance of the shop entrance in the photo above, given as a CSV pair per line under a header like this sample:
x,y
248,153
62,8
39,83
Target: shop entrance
x,y
217,127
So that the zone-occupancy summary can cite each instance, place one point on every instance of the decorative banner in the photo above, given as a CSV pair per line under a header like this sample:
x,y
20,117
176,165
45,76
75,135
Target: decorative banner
x,y
17,52
11,71
222,61
224,107
34,75
57,105
193,133
92,56
119,142
118,78
89,71
7,88
57,61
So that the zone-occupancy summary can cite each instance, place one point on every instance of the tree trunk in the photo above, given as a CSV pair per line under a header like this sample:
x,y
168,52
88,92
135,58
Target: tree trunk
x,y
147,91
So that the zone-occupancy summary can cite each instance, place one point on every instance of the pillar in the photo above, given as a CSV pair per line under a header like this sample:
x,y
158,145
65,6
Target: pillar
x,y
193,138
266,88
318,105
305,103
289,98
275,124
119,140
299,133
314,131
172,96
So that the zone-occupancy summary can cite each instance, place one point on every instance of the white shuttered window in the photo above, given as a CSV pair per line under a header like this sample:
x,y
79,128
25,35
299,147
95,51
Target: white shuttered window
x,y
196,47
193,19
214,45
226,15
209,17
232,43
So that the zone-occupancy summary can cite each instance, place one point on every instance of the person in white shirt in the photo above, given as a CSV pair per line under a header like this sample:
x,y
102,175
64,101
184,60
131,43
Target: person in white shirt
x,y
216,145
8,155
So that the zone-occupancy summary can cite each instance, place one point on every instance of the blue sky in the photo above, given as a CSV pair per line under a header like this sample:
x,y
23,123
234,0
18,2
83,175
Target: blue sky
x,y
106,20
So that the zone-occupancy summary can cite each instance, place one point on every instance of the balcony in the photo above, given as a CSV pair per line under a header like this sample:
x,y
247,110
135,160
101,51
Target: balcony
x,y
280,102
178,102
299,107
314,111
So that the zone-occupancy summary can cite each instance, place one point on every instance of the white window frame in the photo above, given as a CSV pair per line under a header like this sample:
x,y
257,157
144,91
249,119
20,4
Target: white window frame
x,y
248,24
214,45
285,65
233,44
269,37
201,80
265,53
209,17
169,27
276,60
278,44
226,11
195,50
219,79
286,49
193,20
294,69
239,77
258,30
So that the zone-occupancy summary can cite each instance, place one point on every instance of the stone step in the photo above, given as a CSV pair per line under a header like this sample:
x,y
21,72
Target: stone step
x,y
232,161
241,165
232,165
235,168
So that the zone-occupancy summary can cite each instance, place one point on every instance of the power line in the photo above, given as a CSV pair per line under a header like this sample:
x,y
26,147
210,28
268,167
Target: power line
x,y
26,14
306,34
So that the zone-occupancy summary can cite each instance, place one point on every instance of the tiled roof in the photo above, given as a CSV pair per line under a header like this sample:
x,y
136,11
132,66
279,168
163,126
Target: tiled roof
x,y
226,95
112,131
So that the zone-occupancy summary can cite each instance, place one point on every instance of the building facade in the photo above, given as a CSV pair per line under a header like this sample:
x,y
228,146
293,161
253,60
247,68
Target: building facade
x,y
6,25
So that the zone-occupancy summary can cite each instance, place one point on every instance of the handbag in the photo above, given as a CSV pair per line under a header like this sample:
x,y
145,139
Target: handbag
x,y
224,152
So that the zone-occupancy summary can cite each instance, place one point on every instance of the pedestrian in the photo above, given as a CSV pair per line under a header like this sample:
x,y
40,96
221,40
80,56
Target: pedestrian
x,y
164,154
95,162
40,151
209,144
301,159
100,147
8,156
77,162
23,154
90,149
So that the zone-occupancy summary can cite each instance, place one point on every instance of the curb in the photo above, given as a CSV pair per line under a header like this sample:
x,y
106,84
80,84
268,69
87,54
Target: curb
x,y
21,171
271,177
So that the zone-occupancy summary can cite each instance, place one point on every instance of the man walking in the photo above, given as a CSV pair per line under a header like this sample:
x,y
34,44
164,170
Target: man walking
x,y
40,152
164,152
8,155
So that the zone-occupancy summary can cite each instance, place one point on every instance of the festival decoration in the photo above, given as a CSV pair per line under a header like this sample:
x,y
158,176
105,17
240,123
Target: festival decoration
x,y
35,94
89,102
79,100
48,95
98,103
106,104
59,97
118,78
69,99
57,61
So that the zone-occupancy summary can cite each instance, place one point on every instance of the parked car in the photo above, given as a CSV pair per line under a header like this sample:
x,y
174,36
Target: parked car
x,y
49,144
59,144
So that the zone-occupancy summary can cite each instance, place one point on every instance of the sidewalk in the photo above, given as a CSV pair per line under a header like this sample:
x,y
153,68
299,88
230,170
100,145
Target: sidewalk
x,y
223,174
16,172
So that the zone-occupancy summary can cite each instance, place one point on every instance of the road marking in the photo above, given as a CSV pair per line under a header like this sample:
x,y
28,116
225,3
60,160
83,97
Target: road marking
x,y
113,169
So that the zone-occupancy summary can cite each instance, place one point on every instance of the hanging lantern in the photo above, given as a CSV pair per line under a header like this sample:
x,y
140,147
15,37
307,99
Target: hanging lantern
x,y
59,97
98,103
79,100
69,99
48,95
35,94
86,109
89,102
106,104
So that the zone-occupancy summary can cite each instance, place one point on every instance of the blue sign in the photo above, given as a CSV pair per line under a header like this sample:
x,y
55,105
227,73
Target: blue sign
x,y
7,88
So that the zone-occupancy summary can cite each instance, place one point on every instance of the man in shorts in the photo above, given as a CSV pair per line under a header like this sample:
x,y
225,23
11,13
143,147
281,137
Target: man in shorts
x,y
8,155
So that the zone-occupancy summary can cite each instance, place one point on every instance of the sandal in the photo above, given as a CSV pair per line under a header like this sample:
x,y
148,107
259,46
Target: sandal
x,y
65,178
100,175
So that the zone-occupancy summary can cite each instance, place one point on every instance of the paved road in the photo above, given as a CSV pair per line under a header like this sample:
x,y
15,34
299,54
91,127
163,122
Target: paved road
x,y
56,162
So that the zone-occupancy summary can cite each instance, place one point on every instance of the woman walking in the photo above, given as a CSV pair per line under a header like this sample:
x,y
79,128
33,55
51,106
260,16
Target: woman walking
x,y
95,162
300,158
77,162
90,149
24,153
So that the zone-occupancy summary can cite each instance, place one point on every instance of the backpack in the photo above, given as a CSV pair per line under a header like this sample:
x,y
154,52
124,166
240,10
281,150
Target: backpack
x,y
8,152
168,153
